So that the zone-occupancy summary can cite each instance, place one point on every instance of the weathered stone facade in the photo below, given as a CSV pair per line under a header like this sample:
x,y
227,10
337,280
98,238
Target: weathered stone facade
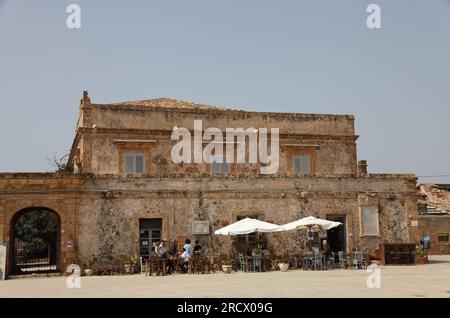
x,y
100,206
434,219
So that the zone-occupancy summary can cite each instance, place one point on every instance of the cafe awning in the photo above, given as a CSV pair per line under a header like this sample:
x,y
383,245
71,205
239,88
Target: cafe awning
x,y
246,226
309,222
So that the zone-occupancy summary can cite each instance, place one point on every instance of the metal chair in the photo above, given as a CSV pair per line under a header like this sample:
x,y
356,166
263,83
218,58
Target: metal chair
x,y
331,261
243,262
198,264
358,260
341,260
257,260
143,265
104,267
307,262
316,261
154,266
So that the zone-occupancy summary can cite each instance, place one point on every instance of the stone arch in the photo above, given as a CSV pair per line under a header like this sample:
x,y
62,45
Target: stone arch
x,y
35,241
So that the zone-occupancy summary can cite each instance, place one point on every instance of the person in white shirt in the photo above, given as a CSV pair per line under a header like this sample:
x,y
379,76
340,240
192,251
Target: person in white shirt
x,y
184,260
160,249
188,247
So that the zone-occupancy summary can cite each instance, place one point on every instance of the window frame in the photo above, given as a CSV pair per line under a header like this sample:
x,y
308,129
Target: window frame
x,y
441,235
212,164
301,156
134,155
292,151
124,148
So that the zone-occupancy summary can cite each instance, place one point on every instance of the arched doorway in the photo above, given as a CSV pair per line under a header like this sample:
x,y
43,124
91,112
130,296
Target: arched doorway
x,y
35,237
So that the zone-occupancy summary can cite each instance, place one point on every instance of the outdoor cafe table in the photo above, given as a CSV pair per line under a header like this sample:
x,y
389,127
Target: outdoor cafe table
x,y
265,263
162,265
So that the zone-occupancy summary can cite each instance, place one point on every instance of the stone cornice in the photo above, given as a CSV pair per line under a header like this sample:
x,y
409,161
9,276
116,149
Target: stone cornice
x,y
182,177
167,133
228,112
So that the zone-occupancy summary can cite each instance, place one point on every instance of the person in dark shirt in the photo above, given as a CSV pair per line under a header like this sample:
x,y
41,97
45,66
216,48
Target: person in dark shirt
x,y
197,247
170,262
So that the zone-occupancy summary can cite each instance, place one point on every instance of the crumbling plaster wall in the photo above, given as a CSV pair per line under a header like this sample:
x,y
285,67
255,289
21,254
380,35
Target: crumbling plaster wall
x,y
333,156
144,117
110,223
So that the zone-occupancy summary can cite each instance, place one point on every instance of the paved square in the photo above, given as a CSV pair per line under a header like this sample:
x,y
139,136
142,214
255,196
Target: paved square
x,y
431,280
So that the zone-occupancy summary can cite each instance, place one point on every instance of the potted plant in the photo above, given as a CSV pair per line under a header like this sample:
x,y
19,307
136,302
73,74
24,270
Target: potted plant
x,y
283,264
89,270
129,263
421,257
256,251
227,266
375,259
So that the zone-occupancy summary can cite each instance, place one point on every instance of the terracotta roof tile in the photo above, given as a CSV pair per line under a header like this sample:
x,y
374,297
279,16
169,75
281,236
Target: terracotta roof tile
x,y
169,102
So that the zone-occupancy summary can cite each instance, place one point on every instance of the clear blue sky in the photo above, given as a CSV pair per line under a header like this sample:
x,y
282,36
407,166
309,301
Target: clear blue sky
x,y
291,56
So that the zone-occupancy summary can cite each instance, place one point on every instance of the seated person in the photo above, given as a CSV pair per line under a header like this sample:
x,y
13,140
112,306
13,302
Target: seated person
x,y
161,249
153,252
308,249
326,250
170,262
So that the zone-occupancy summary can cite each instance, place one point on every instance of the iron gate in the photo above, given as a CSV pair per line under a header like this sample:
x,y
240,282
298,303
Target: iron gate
x,y
35,242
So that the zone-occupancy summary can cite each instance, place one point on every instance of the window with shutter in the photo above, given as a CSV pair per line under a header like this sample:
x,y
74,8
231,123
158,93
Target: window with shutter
x,y
134,163
301,164
221,167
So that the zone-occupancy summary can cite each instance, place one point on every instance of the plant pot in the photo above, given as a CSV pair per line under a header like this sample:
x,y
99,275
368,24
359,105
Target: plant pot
x,y
89,272
422,260
227,269
128,268
375,262
283,267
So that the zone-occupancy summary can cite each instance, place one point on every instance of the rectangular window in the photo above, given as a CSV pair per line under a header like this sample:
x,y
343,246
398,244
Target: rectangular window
x,y
221,167
134,163
443,237
370,225
301,164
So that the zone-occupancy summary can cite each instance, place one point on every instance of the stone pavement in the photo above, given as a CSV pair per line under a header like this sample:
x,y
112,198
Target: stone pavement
x,y
431,280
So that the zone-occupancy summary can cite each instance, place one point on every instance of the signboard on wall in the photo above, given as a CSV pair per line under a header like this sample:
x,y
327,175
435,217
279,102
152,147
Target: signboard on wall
x,y
200,227
2,261
370,224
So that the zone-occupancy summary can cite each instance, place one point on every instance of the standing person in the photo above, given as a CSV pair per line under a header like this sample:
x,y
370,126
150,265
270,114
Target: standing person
x,y
197,247
188,247
426,242
184,260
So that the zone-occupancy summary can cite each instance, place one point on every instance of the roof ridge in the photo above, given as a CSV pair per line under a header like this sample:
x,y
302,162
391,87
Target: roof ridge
x,y
169,102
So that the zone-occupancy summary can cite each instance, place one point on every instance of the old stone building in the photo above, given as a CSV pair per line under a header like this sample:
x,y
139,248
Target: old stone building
x,y
434,216
122,191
